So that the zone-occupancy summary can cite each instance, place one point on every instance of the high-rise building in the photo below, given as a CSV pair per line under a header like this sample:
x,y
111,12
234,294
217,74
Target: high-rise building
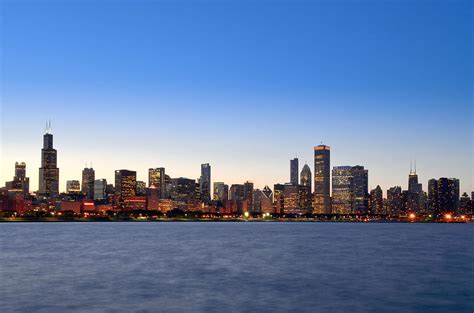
x,y
322,180
20,176
88,178
236,196
100,188
205,182
448,196
248,196
395,200
433,196
183,189
48,172
342,190
278,199
268,192
156,177
73,187
20,181
141,188
305,177
262,203
221,192
464,204
376,201
360,190
125,184
294,168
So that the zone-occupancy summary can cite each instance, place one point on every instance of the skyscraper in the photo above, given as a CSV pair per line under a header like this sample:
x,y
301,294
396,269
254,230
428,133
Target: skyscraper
x,y
125,184
248,196
141,188
20,176
376,201
48,172
360,184
395,200
305,177
448,196
294,168
221,192
268,192
88,177
20,181
342,190
414,193
205,182
433,196
322,180
156,177
100,186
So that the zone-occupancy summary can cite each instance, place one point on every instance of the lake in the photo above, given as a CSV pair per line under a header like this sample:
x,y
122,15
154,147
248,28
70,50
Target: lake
x,y
236,267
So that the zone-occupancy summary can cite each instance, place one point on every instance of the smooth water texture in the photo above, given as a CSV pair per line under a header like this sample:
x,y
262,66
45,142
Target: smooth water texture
x,y
236,267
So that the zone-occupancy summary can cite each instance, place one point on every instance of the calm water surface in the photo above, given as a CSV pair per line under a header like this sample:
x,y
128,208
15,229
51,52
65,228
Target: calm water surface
x,y
236,267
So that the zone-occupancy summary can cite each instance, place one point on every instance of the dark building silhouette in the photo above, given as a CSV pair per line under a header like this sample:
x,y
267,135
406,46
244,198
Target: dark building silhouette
x,y
294,168
322,180
305,177
443,196
205,182
248,196
376,201
88,177
48,172
360,190
395,201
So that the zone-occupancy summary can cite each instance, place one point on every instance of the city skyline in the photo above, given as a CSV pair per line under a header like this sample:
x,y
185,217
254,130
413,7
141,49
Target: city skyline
x,y
268,83
155,176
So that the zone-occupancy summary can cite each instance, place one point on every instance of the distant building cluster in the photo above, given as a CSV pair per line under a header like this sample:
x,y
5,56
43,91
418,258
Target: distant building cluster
x,y
163,194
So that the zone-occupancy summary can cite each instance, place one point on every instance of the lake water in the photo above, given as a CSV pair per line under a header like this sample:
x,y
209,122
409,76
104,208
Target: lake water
x,y
236,267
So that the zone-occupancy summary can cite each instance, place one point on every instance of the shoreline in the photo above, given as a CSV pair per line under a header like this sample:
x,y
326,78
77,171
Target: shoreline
x,y
215,220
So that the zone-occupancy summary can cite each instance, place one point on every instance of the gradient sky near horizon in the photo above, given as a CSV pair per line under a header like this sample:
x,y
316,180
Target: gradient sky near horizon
x,y
243,85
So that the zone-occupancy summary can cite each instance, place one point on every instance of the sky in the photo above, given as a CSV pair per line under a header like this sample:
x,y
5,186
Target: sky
x,y
242,85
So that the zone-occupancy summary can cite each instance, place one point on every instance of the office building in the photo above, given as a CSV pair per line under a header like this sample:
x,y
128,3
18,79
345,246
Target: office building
x,y
322,180
48,172
88,178
294,168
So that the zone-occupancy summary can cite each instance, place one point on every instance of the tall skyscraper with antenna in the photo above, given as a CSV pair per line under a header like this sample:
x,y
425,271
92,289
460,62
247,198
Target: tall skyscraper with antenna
x,y
48,172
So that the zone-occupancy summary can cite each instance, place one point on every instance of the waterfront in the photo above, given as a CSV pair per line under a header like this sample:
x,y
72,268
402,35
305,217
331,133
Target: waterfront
x,y
236,267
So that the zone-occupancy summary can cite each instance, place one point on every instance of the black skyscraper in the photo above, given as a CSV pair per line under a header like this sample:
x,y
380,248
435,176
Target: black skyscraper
x,y
48,172
294,168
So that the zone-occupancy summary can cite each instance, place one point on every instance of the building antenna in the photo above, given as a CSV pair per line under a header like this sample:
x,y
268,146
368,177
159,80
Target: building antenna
x,y
411,169
415,166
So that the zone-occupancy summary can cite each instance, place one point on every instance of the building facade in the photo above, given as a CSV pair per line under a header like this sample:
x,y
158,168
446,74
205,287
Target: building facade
x,y
322,180
48,172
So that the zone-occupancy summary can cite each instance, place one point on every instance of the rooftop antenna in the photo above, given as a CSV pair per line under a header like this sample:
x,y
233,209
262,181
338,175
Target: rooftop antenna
x,y
411,168
415,166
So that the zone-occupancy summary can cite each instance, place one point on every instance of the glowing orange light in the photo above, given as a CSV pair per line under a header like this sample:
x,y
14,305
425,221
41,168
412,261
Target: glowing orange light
x,y
412,216
448,216
463,217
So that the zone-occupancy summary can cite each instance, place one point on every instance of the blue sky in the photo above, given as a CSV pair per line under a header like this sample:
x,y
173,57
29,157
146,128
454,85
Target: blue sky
x,y
243,85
